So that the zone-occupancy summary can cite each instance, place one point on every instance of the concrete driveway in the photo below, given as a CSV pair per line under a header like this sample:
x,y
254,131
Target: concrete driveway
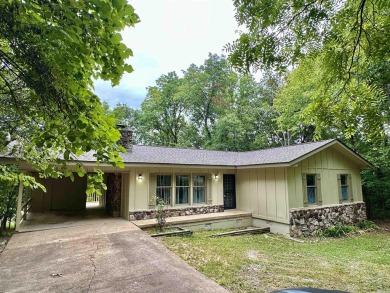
x,y
110,255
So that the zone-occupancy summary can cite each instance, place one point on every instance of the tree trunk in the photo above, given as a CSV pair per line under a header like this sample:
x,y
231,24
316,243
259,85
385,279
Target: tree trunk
x,y
3,224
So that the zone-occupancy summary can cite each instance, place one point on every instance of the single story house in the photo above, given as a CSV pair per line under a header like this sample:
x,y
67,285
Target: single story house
x,y
293,189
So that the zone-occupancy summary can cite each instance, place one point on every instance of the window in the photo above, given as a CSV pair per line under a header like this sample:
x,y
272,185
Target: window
x,y
163,189
311,188
199,191
345,189
311,184
182,189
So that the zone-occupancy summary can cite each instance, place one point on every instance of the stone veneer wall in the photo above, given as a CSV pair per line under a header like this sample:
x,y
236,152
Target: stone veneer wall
x,y
176,212
306,221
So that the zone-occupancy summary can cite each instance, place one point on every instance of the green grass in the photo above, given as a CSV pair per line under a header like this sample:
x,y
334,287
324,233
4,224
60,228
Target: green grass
x,y
262,263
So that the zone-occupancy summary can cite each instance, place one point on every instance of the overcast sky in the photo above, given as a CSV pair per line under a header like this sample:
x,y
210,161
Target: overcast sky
x,y
172,34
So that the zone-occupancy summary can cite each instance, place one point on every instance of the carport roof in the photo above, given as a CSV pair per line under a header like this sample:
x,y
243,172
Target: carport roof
x,y
287,155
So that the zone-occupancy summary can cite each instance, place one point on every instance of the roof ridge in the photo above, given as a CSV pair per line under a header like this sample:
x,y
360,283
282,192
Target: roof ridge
x,y
239,152
292,145
182,148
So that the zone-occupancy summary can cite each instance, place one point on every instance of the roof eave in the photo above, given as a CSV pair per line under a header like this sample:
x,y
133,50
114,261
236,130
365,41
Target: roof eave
x,y
364,163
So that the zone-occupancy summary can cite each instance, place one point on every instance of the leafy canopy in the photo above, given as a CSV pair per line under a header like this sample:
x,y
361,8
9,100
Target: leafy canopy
x,y
50,52
340,60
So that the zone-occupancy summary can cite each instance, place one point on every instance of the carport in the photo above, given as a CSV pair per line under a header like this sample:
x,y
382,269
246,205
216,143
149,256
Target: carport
x,y
66,201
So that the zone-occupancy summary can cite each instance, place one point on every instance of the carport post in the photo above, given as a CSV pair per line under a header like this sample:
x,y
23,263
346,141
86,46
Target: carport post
x,y
19,208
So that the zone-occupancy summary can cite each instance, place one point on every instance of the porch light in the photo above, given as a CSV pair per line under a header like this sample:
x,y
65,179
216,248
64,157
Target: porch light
x,y
139,176
216,176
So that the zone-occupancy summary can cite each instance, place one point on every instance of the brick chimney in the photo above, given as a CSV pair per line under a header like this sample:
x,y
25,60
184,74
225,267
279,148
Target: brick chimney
x,y
126,139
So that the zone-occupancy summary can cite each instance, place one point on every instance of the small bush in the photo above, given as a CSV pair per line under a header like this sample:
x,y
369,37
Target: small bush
x,y
338,231
160,212
365,225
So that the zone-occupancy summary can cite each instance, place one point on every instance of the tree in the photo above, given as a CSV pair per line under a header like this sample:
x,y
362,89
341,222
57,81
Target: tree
x,y
50,52
248,121
208,89
8,197
337,48
162,118
212,107
282,32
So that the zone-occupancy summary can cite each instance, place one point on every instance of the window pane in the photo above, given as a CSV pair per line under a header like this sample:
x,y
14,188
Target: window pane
x,y
182,180
182,195
167,180
163,189
311,195
311,180
163,180
343,179
344,192
164,193
199,180
199,194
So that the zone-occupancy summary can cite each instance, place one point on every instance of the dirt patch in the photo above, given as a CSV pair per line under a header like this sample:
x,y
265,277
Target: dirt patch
x,y
256,255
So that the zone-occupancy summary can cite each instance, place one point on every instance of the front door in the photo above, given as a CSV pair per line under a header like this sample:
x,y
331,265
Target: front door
x,y
229,191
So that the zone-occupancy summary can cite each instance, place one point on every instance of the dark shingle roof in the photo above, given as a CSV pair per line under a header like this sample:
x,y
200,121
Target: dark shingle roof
x,y
178,156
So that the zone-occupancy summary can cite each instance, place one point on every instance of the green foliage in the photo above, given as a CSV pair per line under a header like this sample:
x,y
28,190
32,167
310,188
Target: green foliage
x,y
124,115
308,102
343,230
338,231
282,32
211,106
8,201
50,54
365,225
162,116
161,213
208,89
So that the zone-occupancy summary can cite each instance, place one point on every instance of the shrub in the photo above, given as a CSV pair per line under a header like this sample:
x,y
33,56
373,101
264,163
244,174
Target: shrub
x,y
338,231
365,225
160,213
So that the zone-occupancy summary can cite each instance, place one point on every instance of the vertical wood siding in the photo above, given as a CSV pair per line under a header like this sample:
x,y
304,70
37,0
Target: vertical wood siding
x,y
328,163
263,192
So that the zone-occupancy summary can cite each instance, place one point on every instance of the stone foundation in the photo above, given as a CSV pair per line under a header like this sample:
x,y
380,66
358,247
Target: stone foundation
x,y
176,212
306,221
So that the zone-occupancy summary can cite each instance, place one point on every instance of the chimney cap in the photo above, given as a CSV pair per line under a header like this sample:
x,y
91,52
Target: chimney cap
x,y
121,125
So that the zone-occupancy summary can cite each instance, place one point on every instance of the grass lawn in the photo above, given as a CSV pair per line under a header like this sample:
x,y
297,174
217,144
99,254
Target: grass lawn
x,y
262,263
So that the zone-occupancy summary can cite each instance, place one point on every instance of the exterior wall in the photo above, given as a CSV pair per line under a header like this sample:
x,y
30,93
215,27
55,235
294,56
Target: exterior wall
x,y
141,191
328,163
264,193
124,196
306,222
61,194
